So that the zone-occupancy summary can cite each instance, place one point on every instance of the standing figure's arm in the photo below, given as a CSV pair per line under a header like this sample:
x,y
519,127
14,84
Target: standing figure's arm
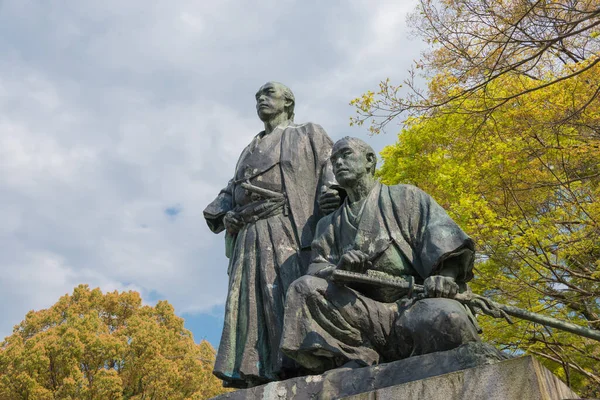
x,y
219,216
214,213
329,195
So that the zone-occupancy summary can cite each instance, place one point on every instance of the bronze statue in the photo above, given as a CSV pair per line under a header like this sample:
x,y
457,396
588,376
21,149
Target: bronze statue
x,y
380,233
269,211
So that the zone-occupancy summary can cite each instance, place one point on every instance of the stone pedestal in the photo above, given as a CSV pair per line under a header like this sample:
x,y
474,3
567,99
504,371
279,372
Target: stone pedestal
x,y
516,379
473,371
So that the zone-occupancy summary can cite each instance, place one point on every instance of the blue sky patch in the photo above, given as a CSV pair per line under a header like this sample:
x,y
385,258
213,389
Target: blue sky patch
x,y
173,211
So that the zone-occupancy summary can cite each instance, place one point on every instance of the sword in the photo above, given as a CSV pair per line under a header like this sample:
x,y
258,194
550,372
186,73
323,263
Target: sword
x,y
269,194
472,300
262,191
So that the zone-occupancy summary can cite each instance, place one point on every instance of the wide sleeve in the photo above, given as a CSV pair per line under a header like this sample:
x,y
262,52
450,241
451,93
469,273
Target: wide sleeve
x,y
322,145
321,142
443,242
216,210
436,240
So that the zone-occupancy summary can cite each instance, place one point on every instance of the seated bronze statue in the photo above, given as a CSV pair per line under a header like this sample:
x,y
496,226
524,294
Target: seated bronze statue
x,y
388,233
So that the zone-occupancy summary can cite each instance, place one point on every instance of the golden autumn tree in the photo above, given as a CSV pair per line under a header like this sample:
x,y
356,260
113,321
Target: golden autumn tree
x,y
91,345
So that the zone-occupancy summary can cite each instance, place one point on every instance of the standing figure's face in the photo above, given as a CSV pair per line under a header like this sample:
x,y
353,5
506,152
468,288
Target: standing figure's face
x,y
349,163
270,101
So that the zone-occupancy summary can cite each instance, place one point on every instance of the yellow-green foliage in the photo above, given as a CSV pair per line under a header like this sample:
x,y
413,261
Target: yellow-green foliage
x,y
92,345
524,182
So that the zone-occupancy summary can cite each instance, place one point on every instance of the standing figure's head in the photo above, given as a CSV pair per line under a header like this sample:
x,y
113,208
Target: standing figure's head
x,y
274,98
352,160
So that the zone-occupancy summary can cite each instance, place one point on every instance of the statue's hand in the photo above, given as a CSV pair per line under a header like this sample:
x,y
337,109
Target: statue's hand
x,y
329,200
232,224
325,273
440,286
354,260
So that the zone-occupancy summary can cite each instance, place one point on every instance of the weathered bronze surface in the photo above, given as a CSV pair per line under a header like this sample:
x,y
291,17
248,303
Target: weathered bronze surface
x,y
381,234
269,210
387,275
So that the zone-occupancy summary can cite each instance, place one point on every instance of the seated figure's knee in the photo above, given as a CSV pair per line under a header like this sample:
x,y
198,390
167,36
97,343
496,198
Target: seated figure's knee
x,y
438,315
437,324
306,286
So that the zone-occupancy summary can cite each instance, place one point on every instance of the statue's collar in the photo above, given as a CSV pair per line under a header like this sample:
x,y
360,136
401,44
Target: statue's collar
x,y
281,126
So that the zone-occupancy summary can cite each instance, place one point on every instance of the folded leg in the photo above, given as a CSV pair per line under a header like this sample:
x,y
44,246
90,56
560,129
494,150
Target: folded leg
x,y
327,325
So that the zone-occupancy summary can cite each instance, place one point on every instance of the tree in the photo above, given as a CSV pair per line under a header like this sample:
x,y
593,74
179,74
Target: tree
x,y
476,43
505,134
528,192
105,346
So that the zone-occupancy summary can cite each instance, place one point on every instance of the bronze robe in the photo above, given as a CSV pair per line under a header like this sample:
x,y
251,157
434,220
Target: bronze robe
x,y
267,254
421,234
405,232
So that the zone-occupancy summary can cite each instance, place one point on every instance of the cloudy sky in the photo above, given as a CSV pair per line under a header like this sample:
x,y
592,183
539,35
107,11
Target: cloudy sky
x,y
121,120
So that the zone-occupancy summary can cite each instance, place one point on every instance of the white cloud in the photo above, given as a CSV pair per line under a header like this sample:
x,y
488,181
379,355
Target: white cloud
x,y
111,112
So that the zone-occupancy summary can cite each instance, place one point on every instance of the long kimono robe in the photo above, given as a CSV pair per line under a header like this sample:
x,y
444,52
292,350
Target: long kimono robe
x,y
421,234
405,233
271,250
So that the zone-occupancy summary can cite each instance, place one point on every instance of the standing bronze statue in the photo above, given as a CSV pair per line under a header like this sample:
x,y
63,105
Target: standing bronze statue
x,y
269,211
380,234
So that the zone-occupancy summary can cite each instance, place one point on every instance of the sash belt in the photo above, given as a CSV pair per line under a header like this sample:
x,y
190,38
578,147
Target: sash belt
x,y
262,209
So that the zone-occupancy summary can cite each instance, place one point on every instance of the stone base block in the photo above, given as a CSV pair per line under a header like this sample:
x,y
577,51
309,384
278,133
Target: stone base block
x,y
475,371
516,379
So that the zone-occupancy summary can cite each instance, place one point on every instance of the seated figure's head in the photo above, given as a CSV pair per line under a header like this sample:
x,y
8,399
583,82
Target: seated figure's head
x,y
274,98
352,160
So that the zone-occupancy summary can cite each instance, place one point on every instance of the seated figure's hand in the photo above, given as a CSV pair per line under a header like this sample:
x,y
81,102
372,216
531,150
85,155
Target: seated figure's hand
x,y
325,273
354,260
440,286
329,200
232,224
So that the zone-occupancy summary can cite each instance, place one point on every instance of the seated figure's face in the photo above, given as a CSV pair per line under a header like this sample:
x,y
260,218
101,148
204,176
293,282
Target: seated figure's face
x,y
270,101
349,163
